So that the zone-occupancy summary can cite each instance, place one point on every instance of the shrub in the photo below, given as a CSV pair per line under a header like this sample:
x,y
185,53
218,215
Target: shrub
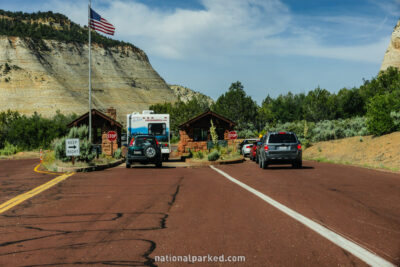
x,y
396,119
9,149
174,139
198,155
118,153
213,156
379,121
86,151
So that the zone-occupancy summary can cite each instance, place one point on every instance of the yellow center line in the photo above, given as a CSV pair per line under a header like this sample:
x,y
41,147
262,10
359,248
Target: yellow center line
x,y
37,170
21,198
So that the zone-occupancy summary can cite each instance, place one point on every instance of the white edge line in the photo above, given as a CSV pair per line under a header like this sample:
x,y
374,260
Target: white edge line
x,y
358,251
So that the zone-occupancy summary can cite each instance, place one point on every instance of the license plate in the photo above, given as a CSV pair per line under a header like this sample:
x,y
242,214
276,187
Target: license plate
x,y
137,152
283,147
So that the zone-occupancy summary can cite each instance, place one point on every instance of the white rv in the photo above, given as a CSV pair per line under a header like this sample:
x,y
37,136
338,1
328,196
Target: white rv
x,y
149,123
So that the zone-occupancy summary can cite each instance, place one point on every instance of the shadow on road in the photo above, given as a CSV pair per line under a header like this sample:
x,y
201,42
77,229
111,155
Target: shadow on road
x,y
288,167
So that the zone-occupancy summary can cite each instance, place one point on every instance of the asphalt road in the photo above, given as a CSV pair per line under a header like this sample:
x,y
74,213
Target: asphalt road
x,y
130,217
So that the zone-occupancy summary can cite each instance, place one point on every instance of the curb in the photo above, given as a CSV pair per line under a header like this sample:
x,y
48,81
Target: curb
x,y
90,168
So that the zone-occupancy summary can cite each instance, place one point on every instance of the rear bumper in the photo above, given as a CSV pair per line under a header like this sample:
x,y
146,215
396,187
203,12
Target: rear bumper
x,y
141,158
285,157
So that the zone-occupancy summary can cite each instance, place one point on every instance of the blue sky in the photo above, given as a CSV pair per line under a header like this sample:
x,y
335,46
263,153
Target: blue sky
x,y
271,46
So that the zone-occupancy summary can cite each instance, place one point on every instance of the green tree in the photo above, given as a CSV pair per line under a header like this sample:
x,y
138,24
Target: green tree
x,y
319,105
379,120
236,105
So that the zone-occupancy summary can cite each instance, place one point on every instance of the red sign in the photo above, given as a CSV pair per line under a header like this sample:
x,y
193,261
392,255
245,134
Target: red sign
x,y
112,136
233,135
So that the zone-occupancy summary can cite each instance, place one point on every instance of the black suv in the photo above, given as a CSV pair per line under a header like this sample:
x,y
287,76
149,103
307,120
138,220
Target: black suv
x,y
280,148
144,149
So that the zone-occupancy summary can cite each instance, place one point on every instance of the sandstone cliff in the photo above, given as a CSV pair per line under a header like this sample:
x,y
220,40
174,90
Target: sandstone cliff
x,y
45,69
53,75
392,55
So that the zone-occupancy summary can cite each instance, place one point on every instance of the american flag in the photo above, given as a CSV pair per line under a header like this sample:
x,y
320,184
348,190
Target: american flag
x,y
100,24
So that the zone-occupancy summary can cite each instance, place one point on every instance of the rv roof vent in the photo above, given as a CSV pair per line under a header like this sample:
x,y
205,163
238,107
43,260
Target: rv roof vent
x,y
148,112
135,113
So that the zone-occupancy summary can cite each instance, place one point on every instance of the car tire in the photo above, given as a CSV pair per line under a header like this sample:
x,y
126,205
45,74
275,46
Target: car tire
x,y
150,152
264,165
128,165
256,160
297,164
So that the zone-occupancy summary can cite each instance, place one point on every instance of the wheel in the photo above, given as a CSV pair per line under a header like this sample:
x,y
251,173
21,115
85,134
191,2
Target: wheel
x,y
150,152
264,165
297,164
128,164
256,160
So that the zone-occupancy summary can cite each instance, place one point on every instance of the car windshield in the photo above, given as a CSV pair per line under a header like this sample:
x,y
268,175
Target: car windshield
x,y
143,141
282,138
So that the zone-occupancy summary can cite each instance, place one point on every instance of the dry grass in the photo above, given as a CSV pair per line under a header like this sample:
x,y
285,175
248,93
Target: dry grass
x,y
373,152
23,155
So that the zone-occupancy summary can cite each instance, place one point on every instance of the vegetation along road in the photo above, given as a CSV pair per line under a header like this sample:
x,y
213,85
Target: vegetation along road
x,y
320,215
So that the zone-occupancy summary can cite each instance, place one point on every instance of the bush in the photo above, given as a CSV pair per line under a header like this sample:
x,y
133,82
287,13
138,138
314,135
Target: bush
x,y
379,121
31,132
85,147
118,153
396,120
325,130
198,155
213,156
9,149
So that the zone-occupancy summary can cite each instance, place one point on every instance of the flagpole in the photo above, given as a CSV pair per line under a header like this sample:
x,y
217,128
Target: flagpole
x,y
90,76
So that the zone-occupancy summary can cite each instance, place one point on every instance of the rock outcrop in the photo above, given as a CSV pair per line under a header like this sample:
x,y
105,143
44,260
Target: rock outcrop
x,y
186,94
50,75
392,55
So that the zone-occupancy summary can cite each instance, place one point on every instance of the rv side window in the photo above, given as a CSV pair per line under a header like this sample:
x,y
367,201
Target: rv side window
x,y
157,128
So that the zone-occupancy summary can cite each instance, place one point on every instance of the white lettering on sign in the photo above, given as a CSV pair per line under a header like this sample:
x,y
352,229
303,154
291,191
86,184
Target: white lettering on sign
x,y
72,147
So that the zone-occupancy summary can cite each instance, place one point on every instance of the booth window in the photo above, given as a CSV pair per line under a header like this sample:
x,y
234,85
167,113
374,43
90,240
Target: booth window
x,y
200,134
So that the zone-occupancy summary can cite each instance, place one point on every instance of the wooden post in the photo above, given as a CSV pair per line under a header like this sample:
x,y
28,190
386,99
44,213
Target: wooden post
x,y
73,160
112,154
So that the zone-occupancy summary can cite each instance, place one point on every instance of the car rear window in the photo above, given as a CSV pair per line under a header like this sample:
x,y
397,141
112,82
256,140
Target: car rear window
x,y
282,138
143,141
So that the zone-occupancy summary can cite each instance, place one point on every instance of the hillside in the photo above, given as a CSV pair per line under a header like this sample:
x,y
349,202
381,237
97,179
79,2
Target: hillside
x,y
366,151
51,73
186,94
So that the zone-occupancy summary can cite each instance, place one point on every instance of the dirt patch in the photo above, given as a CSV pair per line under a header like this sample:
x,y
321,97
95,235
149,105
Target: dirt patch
x,y
367,151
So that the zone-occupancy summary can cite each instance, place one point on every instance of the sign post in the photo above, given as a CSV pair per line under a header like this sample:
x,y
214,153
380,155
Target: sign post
x,y
233,136
112,136
72,148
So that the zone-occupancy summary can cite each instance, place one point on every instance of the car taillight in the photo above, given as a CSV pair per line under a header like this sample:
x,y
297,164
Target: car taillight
x,y
156,142
266,148
131,143
282,132
299,147
166,145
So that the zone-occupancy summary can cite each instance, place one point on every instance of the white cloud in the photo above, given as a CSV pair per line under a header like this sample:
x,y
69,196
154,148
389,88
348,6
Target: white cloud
x,y
229,28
